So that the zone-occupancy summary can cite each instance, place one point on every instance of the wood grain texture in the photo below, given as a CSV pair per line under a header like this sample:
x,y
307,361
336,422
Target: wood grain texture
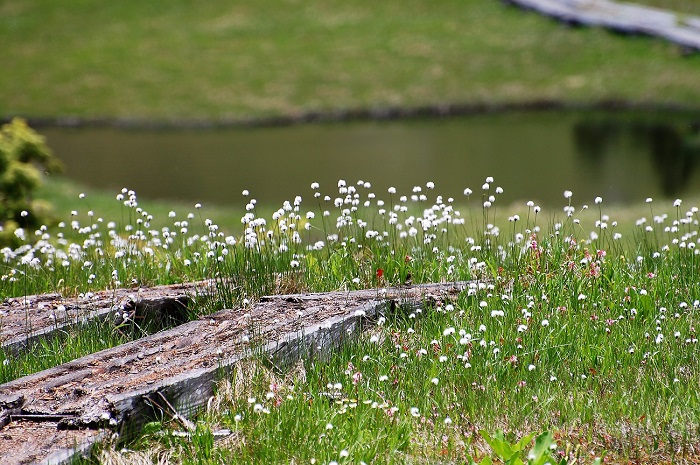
x,y
27,320
116,391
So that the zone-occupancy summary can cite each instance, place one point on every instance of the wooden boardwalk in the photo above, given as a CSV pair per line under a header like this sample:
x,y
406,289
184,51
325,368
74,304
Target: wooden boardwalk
x,y
627,18
50,416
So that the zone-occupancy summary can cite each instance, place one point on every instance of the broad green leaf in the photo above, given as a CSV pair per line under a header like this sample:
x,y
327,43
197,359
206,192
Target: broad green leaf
x,y
498,444
541,447
524,441
515,459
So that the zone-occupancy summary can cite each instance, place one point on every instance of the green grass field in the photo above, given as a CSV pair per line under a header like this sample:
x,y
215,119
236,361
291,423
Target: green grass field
x,y
141,60
578,321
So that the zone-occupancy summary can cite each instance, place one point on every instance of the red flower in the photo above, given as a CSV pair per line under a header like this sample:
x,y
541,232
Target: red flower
x,y
380,273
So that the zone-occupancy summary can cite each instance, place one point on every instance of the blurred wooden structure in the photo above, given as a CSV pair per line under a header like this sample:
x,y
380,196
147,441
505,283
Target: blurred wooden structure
x,y
626,18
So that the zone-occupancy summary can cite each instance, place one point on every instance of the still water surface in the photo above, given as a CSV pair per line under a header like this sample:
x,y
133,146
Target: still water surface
x,y
622,157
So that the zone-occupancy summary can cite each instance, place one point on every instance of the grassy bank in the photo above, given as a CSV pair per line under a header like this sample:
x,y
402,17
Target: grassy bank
x,y
572,324
222,60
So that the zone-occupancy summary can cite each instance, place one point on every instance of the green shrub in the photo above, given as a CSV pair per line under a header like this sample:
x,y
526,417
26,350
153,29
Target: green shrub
x,y
23,154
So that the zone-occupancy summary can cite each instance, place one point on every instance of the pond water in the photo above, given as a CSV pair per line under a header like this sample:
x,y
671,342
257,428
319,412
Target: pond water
x,y
534,156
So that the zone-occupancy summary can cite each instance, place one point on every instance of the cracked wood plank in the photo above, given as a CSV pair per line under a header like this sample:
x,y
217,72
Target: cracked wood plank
x,y
24,321
114,391
628,18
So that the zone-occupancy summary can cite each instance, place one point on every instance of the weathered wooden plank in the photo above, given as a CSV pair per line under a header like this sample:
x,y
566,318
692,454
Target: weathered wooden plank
x,y
117,390
27,320
628,18
82,444
56,448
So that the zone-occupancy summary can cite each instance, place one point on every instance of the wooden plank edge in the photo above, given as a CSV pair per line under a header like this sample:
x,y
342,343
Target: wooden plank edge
x,y
81,450
683,32
149,307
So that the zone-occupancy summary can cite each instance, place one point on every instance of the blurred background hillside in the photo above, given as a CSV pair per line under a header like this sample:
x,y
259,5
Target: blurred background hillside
x,y
222,60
